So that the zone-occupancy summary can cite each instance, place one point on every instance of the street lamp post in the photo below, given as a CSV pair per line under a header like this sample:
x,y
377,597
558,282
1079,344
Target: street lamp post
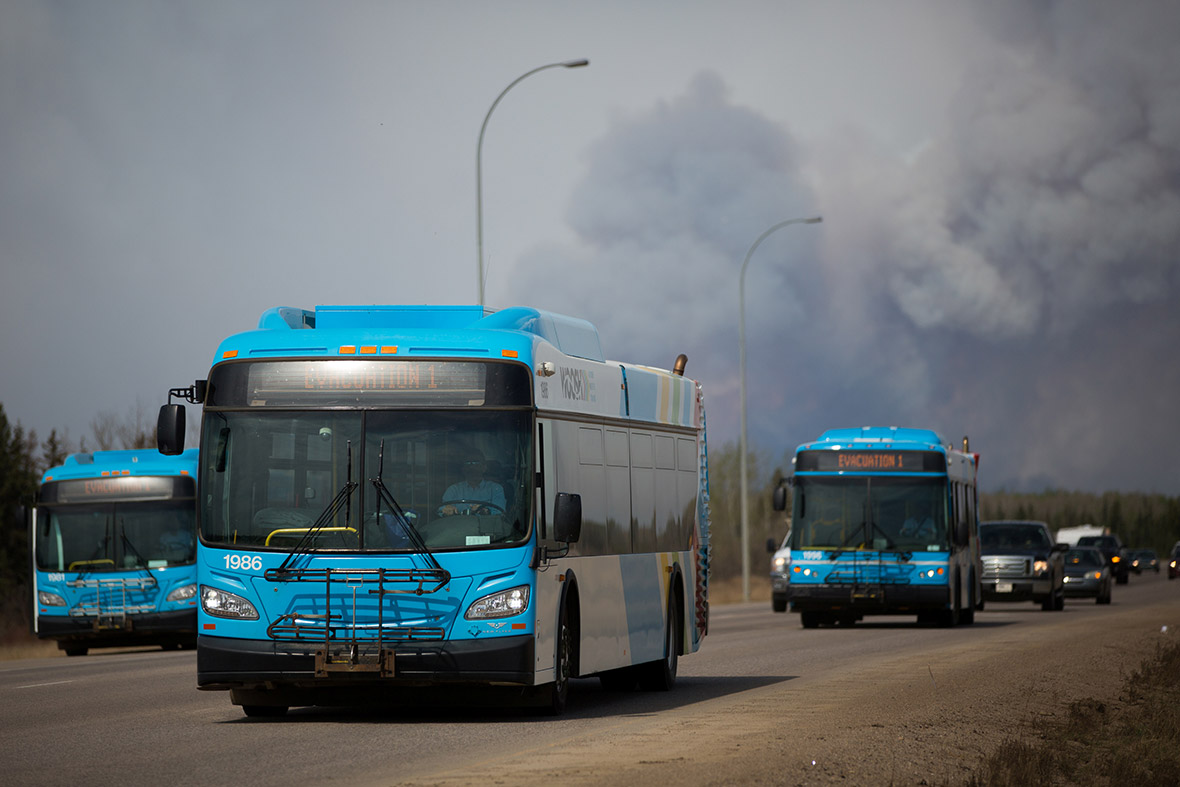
x,y
742,386
479,162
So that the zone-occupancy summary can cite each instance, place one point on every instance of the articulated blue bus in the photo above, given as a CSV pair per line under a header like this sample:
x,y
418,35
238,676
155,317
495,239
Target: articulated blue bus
x,y
408,496
884,522
113,544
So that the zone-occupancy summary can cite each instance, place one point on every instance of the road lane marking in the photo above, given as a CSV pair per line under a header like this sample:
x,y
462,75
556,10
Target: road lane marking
x,y
38,685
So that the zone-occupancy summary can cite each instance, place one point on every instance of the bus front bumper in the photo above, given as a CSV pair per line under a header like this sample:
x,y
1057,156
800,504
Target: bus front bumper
x,y
224,663
149,628
868,599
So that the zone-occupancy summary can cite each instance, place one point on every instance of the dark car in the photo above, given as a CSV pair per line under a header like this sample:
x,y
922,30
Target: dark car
x,y
1174,562
1087,574
1021,563
1112,548
1144,560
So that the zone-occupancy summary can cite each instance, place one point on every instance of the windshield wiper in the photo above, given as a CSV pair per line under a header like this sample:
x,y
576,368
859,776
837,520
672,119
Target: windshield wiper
x,y
383,494
143,566
343,499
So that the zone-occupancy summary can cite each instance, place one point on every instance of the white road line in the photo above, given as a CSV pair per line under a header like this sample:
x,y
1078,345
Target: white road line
x,y
38,685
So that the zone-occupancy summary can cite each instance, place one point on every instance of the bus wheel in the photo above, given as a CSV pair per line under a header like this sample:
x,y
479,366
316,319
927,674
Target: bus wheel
x,y
661,675
779,605
558,692
810,620
264,711
967,613
76,650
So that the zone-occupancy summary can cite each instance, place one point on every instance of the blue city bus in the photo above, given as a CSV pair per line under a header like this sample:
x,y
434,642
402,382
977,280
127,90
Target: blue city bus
x,y
113,545
884,522
398,497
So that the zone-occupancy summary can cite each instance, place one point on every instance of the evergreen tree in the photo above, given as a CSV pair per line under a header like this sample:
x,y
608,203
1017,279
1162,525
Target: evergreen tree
x,y
18,484
53,451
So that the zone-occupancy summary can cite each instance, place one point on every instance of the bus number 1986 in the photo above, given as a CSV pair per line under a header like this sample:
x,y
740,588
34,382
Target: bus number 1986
x,y
243,562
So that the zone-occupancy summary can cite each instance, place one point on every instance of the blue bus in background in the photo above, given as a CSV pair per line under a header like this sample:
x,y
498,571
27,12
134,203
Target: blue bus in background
x,y
884,522
113,543
395,497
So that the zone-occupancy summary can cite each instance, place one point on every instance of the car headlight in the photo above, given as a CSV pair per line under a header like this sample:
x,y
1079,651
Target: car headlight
x,y
50,599
1040,566
182,593
220,604
504,604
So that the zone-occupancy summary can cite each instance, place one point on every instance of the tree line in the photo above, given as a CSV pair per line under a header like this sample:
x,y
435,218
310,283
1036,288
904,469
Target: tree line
x,y
1142,520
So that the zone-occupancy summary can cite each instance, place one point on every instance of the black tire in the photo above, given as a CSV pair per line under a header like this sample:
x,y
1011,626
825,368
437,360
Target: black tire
x,y
264,711
1103,595
661,675
76,650
967,613
779,604
948,618
557,693
810,620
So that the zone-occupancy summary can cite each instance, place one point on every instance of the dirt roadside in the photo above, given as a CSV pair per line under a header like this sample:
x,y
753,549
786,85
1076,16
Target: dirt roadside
x,y
922,719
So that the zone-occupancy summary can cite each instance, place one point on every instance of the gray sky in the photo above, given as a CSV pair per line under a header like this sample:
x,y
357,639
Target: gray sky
x,y
1000,186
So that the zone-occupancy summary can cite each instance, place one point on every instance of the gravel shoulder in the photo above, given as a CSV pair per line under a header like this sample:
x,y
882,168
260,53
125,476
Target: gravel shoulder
x,y
919,717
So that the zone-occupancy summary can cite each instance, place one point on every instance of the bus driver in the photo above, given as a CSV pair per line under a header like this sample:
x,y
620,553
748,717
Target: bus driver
x,y
465,496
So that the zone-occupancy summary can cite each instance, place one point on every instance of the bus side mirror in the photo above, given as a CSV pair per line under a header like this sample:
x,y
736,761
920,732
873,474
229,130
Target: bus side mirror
x,y
170,429
567,517
780,498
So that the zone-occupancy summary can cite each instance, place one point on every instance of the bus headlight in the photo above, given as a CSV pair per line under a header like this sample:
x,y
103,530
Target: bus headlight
x,y
182,593
504,604
50,599
780,565
220,604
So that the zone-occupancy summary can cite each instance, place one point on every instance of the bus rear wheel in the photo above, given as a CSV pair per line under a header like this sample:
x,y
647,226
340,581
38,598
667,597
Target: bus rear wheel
x,y
76,650
661,675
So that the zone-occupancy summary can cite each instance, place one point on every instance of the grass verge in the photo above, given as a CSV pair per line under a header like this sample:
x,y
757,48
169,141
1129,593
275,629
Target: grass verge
x,y
1136,741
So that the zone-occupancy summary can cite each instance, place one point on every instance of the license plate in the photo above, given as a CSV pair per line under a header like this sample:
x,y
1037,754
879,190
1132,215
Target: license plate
x,y
1003,587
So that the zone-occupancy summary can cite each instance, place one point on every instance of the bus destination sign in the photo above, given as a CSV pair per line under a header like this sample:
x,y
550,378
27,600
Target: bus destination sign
x,y
871,461
123,487
365,383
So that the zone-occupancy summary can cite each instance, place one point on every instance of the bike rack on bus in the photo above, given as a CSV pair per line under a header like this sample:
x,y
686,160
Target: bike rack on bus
x,y
110,607
343,650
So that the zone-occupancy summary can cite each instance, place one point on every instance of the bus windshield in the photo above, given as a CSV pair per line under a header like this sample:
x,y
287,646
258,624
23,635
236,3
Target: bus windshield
x,y
362,480
893,513
116,537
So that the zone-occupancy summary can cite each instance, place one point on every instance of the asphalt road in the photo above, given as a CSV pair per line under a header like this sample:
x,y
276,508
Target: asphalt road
x,y
135,717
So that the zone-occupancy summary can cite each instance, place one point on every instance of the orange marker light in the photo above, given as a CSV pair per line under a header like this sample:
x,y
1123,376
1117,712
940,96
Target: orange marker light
x,y
369,349
229,354
348,349
389,349
509,353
